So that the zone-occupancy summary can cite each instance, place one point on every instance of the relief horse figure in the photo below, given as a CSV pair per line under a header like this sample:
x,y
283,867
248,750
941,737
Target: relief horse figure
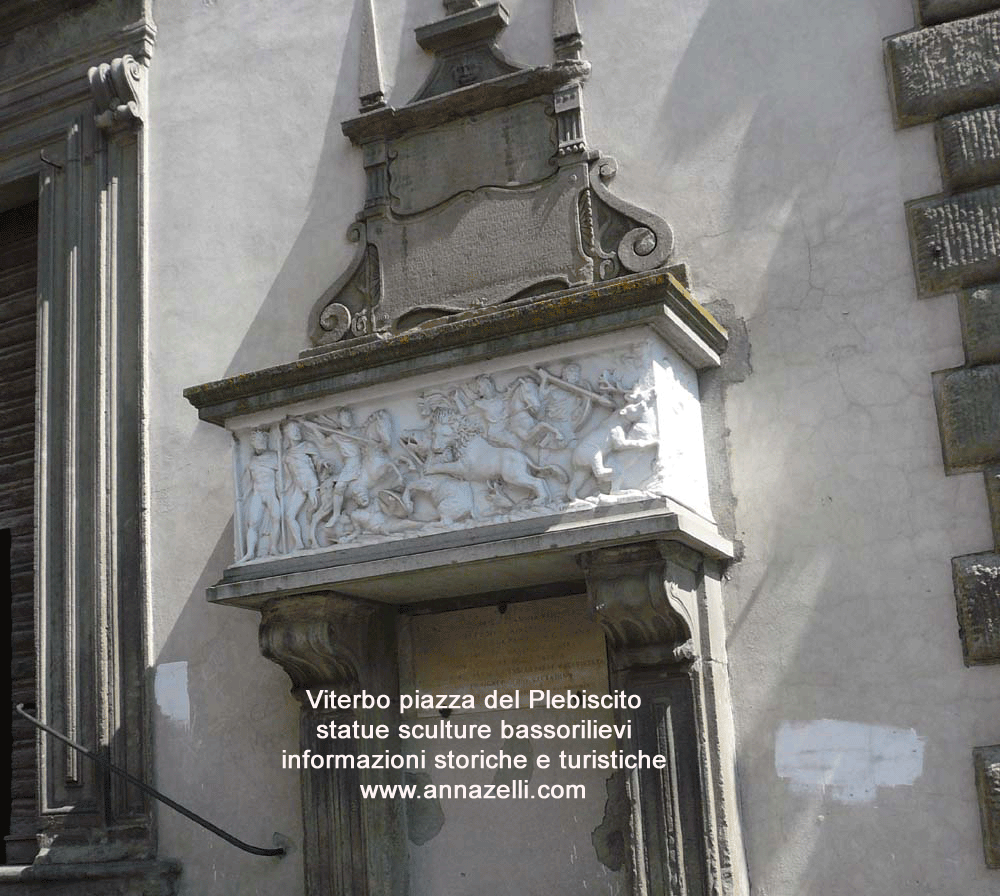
x,y
477,460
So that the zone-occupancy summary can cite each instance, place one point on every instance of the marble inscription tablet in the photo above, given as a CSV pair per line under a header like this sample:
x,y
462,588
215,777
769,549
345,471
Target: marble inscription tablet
x,y
546,645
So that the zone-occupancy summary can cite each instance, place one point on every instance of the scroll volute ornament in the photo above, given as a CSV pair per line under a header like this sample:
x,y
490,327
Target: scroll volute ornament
x,y
116,88
644,597
315,639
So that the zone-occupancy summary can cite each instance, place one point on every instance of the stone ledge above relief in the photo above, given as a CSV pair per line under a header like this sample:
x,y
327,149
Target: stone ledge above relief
x,y
556,433
659,300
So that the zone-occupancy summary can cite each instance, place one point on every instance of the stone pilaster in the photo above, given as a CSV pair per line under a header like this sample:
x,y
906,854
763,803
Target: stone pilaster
x,y
680,831
352,847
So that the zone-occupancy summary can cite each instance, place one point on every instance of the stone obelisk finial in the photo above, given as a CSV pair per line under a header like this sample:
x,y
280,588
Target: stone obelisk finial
x,y
566,30
371,94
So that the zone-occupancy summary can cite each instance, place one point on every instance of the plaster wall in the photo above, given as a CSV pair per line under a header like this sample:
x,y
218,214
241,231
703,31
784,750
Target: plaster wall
x,y
761,130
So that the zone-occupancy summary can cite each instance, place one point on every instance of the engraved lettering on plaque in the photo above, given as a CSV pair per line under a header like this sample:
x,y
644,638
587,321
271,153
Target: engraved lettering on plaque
x,y
539,645
515,146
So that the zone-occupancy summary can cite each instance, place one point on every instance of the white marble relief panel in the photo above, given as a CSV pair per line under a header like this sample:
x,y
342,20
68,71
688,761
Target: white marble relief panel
x,y
544,436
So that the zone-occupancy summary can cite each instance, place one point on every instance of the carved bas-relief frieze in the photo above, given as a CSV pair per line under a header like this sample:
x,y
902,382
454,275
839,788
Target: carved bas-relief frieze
x,y
545,436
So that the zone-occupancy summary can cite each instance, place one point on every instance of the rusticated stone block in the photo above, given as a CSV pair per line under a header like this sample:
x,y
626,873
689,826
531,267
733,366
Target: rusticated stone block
x,y
977,593
992,477
944,69
931,12
956,239
979,310
969,146
968,405
987,763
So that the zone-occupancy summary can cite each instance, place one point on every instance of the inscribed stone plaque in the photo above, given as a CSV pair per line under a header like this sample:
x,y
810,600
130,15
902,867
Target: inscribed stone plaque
x,y
544,645
977,592
504,148
483,248
955,239
936,71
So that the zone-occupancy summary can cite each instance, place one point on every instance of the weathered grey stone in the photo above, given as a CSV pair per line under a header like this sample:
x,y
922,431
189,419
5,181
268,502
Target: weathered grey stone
x,y
987,763
969,147
657,299
351,845
502,148
931,12
91,879
977,592
979,310
518,554
494,94
944,69
968,403
371,93
955,239
992,477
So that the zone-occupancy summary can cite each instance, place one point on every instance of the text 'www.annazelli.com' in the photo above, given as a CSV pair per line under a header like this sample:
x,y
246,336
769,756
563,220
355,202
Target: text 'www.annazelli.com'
x,y
516,790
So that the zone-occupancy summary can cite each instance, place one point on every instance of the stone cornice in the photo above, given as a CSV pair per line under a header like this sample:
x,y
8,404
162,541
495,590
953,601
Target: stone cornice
x,y
499,92
659,300
40,90
431,567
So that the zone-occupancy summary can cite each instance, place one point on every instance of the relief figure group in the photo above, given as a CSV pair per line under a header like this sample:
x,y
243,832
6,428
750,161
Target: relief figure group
x,y
545,441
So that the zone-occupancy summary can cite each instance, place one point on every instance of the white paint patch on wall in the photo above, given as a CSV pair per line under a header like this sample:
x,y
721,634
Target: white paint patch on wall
x,y
847,760
171,688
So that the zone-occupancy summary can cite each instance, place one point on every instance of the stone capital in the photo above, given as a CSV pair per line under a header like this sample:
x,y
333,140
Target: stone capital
x,y
316,638
644,595
117,91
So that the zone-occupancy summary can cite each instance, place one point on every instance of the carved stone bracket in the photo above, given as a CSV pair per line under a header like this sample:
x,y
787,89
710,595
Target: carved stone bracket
x,y
315,639
641,240
117,93
644,597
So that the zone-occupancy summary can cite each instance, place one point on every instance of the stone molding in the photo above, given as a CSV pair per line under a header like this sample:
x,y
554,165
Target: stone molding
x,y
91,879
325,640
659,299
117,90
91,593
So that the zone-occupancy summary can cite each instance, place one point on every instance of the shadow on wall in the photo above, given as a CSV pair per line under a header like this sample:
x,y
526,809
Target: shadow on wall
x,y
322,245
223,715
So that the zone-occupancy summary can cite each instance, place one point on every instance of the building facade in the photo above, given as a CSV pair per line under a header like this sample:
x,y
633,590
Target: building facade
x,y
382,347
